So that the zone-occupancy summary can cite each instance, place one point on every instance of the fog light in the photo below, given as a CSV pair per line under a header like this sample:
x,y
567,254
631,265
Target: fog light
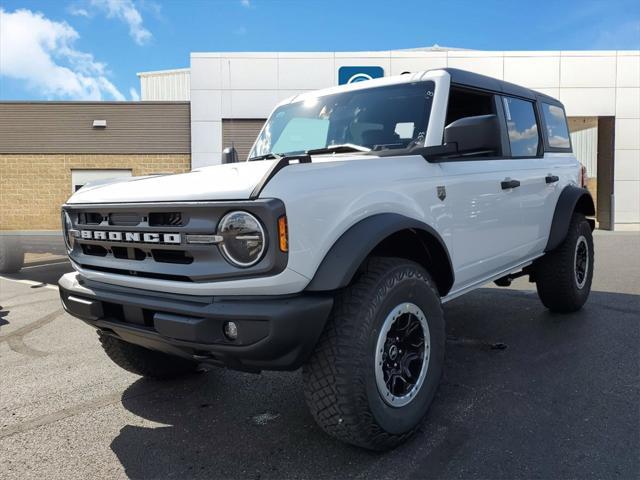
x,y
231,330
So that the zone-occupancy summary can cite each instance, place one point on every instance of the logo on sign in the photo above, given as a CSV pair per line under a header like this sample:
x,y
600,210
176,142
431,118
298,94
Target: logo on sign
x,y
358,74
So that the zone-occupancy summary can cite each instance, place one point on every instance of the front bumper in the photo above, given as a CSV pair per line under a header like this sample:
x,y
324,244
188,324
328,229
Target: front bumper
x,y
274,332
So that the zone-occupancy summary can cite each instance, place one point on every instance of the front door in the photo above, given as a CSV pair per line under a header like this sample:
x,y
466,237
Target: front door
x,y
486,227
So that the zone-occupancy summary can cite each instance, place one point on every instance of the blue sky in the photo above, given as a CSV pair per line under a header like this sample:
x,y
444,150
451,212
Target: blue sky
x,y
92,49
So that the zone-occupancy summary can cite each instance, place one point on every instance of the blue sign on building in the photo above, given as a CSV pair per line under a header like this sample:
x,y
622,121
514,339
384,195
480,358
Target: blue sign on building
x,y
358,74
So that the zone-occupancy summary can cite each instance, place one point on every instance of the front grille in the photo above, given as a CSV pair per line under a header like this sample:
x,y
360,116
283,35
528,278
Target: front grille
x,y
95,250
150,239
128,219
161,219
89,218
171,256
136,273
128,253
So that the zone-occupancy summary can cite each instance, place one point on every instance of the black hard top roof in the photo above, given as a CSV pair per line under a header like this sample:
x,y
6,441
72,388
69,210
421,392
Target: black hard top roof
x,y
470,79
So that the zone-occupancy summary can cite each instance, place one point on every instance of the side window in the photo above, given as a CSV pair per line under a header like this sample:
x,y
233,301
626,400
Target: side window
x,y
556,124
468,103
521,126
465,103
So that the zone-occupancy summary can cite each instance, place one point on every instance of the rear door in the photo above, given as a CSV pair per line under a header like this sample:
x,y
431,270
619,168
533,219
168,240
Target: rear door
x,y
527,167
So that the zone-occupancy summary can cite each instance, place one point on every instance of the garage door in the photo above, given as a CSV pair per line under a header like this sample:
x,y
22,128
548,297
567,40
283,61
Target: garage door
x,y
241,134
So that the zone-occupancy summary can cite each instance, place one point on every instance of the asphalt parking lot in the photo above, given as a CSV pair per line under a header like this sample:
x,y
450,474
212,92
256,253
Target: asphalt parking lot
x,y
526,394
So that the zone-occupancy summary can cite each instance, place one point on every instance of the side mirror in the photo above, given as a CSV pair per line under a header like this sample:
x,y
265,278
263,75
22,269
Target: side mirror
x,y
474,135
229,155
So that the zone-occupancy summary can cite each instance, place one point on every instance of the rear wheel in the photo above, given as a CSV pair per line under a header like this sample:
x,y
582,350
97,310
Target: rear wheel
x,y
11,255
145,362
563,276
378,364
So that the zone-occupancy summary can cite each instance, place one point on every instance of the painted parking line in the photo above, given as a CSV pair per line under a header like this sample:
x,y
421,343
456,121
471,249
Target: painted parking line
x,y
53,264
31,283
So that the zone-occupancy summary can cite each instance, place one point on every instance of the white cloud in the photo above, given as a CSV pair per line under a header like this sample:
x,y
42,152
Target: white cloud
x,y
557,112
245,3
41,52
516,135
133,93
127,12
78,12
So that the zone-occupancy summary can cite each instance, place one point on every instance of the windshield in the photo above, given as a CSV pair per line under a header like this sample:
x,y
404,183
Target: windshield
x,y
394,116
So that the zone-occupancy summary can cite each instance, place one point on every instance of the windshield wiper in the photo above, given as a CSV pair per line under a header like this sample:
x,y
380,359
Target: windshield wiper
x,y
342,148
268,156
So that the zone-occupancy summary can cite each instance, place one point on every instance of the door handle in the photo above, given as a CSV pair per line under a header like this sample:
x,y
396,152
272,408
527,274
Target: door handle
x,y
507,184
551,178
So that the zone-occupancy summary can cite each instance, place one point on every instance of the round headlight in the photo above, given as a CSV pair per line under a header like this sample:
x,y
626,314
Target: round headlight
x,y
244,240
67,227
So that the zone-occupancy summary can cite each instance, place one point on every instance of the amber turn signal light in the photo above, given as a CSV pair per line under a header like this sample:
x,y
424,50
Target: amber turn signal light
x,y
283,234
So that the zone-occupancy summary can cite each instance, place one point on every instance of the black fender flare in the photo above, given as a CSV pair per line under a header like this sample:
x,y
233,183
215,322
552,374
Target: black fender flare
x,y
572,199
348,252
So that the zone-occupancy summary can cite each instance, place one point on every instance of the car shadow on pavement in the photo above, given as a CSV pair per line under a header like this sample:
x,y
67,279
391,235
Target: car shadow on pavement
x,y
3,313
526,393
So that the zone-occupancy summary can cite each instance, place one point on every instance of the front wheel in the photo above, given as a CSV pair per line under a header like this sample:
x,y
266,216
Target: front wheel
x,y
563,276
377,366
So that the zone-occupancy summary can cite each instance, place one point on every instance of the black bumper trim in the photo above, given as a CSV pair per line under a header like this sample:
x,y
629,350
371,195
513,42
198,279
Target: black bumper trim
x,y
274,332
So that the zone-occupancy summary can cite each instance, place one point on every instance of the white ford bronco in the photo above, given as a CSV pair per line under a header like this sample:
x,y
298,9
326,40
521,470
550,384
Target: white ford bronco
x,y
360,210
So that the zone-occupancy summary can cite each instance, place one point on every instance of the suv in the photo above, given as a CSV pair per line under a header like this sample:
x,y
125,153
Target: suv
x,y
360,211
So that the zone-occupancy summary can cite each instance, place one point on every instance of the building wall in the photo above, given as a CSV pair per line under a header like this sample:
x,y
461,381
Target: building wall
x,y
589,83
67,127
165,85
41,143
34,186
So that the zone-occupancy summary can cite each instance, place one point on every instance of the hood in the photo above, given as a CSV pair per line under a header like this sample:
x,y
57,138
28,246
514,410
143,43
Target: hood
x,y
221,182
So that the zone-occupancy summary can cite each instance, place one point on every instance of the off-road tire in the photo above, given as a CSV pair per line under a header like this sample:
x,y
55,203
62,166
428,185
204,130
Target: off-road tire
x,y
339,379
11,255
555,273
145,362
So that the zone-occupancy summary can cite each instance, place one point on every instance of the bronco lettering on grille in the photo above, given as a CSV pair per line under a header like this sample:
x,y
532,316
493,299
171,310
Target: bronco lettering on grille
x,y
131,237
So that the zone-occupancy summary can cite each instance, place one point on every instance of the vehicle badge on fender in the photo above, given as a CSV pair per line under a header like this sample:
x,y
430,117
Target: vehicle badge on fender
x,y
442,192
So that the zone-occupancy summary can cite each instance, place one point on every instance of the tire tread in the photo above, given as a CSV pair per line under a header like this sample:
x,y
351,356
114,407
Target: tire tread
x,y
339,406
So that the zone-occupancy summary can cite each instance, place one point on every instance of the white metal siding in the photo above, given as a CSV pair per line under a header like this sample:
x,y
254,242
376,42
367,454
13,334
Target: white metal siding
x,y
585,147
168,85
584,139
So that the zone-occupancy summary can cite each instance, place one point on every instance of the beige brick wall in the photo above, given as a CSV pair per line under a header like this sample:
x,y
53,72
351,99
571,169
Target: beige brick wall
x,y
33,187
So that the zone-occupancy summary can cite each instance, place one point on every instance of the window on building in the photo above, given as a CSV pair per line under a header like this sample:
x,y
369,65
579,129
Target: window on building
x,y
556,124
79,178
521,126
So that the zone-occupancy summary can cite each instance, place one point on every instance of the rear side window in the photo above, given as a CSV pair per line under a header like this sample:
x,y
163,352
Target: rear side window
x,y
522,127
556,124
